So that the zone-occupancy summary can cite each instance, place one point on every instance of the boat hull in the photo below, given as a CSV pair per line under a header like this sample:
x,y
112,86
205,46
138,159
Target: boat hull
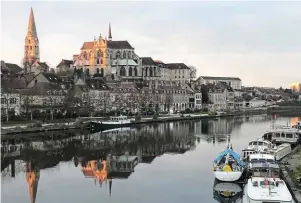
x,y
228,176
99,125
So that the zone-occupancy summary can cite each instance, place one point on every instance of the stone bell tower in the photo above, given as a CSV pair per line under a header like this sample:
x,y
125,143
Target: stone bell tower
x,y
31,48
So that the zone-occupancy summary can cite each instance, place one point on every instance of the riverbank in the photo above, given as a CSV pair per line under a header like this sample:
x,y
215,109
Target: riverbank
x,y
84,122
291,171
284,110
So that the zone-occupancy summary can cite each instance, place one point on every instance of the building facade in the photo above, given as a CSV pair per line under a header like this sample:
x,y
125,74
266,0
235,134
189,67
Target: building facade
x,y
233,82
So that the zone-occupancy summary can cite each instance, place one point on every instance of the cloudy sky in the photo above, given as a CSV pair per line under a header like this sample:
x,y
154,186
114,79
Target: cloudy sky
x,y
260,42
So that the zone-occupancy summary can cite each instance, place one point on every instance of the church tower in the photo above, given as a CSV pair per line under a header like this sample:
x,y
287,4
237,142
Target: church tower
x,y
110,33
31,48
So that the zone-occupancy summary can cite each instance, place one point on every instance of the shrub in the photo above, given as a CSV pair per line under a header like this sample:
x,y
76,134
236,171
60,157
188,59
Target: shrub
x,y
138,117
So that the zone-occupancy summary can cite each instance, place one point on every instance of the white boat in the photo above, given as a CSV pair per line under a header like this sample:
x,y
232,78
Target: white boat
x,y
227,166
260,146
114,122
284,134
260,158
266,186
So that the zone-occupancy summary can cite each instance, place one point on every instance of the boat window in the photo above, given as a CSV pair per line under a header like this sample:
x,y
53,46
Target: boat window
x,y
283,135
260,143
277,134
255,183
289,135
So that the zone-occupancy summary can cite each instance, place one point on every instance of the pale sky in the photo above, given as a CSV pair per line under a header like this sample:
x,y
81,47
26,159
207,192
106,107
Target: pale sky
x,y
260,42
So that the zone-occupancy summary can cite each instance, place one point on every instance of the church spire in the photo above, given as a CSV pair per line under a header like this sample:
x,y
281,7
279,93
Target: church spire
x,y
31,47
31,30
110,32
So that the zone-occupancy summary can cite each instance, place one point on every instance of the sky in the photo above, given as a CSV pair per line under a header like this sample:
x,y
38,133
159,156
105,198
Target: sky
x,y
259,42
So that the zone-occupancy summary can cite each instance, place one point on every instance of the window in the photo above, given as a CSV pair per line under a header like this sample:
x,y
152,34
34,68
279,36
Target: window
x,y
12,100
3,111
3,101
289,135
97,61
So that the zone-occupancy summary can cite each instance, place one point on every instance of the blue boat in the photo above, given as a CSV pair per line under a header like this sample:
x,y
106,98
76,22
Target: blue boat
x,y
228,166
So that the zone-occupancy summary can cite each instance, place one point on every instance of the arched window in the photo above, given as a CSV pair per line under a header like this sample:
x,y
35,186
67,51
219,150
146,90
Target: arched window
x,y
129,54
146,71
117,54
101,61
102,72
155,70
98,54
97,61
151,71
85,55
30,47
135,71
101,53
124,55
122,71
130,71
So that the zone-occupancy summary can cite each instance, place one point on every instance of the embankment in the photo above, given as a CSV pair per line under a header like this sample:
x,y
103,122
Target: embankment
x,y
290,167
284,110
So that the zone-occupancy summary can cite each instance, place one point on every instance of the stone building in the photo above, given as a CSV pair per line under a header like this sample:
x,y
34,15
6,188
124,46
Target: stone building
x,y
114,59
233,82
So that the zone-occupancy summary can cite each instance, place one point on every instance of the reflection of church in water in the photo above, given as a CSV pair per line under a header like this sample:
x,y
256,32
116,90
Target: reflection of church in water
x,y
32,179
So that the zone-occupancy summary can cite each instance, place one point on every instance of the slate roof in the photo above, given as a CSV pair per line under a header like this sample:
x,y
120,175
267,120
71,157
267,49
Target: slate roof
x,y
219,78
177,66
43,65
119,45
97,84
42,88
12,84
10,67
51,77
147,61
65,62
87,45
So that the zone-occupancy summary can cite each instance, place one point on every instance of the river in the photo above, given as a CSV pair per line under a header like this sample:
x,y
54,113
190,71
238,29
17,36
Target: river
x,y
174,163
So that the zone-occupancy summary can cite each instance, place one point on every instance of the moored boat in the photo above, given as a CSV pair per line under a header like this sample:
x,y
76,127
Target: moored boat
x,y
284,134
265,185
227,166
114,122
260,146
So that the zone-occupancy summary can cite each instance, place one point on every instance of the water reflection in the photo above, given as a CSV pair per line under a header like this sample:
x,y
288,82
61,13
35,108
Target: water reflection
x,y
115,155
227,192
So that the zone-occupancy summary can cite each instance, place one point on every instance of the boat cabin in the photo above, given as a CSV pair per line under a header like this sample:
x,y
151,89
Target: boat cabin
x,y
265,170
118,118
261,158
283,135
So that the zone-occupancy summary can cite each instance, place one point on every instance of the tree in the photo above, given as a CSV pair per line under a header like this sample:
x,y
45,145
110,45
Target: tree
x,y
246,96
205,95
168,101
192,73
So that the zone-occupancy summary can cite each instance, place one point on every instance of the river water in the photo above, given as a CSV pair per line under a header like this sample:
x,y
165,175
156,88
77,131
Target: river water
x,y
174,163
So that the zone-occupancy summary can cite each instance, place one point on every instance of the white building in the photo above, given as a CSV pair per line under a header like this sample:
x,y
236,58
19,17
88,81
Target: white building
x,y
254,103
233,82
179,72
10,103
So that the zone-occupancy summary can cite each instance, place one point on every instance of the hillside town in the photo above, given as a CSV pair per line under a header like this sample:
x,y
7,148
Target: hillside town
x,y
108,77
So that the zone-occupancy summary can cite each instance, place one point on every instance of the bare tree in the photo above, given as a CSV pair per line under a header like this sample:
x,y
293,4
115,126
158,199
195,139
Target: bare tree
x,y
192,73
168,101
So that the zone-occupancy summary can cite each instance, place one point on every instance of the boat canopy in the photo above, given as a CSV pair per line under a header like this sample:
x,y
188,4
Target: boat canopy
x,y
231,153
